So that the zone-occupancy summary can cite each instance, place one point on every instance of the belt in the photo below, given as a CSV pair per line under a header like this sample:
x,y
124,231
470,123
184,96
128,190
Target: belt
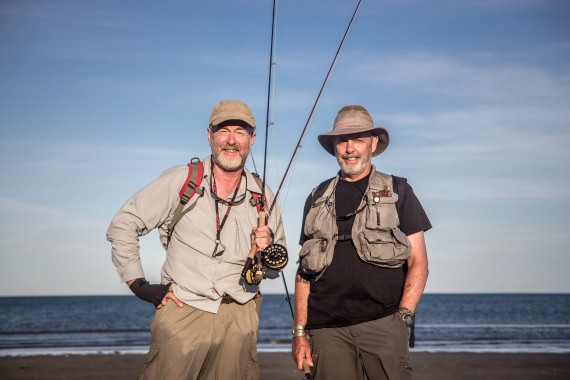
x,y
228,299
343,237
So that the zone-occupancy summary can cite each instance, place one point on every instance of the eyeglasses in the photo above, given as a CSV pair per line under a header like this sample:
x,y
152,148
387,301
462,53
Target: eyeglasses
x,y
238,131
234,202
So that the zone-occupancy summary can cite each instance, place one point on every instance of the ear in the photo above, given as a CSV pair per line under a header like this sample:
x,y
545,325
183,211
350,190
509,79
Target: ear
x,y
209,131
252,139
374,144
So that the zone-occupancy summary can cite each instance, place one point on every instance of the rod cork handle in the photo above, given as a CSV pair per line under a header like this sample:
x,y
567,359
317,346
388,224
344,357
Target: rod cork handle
x,y
258,275
260,223
307,370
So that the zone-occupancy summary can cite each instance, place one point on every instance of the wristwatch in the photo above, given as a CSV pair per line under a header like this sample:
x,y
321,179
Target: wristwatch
x,y
407,316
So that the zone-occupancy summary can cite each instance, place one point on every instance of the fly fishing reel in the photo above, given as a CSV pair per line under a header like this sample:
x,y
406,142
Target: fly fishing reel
x,y
253,275
274,257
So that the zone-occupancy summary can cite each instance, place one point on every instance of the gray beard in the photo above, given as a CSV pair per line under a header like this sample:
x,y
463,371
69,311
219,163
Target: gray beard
x,y
229,165
351,170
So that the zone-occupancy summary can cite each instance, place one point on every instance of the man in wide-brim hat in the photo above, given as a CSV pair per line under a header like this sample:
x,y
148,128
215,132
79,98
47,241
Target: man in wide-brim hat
x,y
353,120
363,263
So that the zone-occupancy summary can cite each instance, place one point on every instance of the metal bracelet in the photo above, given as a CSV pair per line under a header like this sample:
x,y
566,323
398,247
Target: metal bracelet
x,y
298,330
299,333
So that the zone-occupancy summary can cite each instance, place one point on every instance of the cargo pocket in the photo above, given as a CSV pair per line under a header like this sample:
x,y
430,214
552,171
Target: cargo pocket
x,y
317,216
403,368
150,370
316,255
385,248
401,365
383,214
251,368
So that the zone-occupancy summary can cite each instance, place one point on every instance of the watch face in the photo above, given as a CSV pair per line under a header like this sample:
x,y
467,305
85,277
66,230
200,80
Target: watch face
x,y
409,320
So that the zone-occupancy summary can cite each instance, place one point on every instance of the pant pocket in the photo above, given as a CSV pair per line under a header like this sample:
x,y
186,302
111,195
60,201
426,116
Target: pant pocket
x,y
251,368
152,355
150,370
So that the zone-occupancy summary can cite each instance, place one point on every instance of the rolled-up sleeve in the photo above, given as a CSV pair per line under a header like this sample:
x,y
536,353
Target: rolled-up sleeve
x,y
146,210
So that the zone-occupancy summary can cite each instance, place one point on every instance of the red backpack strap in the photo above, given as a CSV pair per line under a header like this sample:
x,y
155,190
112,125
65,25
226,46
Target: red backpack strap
x,y
189,189
192,184
256,197
255,200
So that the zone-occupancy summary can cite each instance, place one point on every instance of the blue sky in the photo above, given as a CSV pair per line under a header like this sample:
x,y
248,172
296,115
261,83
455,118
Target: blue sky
x,y
97,98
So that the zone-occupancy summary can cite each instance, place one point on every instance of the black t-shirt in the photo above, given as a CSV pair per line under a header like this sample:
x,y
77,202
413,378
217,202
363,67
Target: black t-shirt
x,y
351,291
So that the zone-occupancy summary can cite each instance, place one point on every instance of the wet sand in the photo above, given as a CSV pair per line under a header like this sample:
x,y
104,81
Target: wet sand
x,y
279,366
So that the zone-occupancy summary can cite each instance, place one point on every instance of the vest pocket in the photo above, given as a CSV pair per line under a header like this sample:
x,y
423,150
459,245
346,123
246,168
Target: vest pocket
x,y
316,255
382,215
316,216
386,248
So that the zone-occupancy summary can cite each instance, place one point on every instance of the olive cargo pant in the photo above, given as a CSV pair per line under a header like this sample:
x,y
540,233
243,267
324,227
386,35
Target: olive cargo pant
x,y
377,348
188,343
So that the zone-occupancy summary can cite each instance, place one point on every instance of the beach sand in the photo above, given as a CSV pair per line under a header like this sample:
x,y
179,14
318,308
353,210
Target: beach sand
x,y
279,366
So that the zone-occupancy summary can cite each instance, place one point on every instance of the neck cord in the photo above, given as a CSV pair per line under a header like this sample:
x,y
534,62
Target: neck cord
x,y
219,225
276,196
331,205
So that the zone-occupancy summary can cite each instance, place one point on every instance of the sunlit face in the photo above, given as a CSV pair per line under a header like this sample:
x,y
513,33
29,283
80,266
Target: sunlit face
x,y
230,144
354,154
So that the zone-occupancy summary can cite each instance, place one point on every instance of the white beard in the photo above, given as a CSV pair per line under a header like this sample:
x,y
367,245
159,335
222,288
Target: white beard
x,y
227,163
353,169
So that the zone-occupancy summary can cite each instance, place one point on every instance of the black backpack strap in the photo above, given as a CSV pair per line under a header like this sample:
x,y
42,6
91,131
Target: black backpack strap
x,y
399,187
320,190
189,189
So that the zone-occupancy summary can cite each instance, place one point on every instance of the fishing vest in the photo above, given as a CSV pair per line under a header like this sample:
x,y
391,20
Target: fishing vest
x,y
375,232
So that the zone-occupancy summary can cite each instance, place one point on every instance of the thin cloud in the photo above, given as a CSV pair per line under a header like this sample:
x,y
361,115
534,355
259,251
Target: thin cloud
x,y
472,78
76,155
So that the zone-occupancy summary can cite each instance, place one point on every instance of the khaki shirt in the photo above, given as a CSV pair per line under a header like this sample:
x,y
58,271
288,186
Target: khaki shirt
x,y
198,278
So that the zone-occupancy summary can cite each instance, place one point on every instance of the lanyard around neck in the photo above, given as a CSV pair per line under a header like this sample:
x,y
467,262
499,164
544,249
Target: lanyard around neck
x,y
219,225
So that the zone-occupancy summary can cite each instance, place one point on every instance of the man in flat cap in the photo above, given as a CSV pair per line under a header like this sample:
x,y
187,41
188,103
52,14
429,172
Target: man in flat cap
x,y
363,263
206,323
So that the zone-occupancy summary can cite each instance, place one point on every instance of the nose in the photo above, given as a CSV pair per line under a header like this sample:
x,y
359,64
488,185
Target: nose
x,y
231,137
349,146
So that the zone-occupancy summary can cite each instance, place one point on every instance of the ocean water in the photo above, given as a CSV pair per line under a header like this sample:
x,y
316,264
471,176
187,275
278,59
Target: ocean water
x,y
445,323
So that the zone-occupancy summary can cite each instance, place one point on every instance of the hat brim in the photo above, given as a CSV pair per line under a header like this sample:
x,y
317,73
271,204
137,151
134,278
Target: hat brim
x,y
327,139
224,118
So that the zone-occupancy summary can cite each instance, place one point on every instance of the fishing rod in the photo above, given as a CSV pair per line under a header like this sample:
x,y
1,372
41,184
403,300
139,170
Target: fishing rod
x,y
270,85
273,256
252,271
269,91
298,146
306,368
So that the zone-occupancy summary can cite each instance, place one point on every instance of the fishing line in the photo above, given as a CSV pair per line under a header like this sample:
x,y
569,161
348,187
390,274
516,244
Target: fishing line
x,y
306,369
271,106
298,146
252,270
253,161
271,95
269,92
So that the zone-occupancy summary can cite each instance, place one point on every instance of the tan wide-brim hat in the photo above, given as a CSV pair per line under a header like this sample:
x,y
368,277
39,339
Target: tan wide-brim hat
x,y
354,119
231,110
